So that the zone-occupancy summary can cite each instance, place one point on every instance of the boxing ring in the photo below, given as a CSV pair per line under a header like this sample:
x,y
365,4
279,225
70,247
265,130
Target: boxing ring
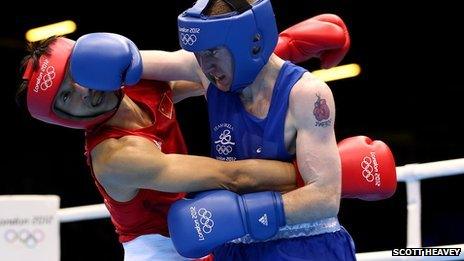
x,y
411,174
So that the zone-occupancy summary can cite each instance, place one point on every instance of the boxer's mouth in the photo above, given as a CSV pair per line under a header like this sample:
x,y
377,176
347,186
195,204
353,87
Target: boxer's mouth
x,y
97,98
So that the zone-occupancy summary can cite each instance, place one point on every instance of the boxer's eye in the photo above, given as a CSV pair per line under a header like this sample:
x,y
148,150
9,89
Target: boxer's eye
x,y
212,52
65,96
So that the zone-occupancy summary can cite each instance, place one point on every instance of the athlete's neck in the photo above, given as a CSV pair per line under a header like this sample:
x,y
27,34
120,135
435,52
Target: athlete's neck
x,y
130,116
256,97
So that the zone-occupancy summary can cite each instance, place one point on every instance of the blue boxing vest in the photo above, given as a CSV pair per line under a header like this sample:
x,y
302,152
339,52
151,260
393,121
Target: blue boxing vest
x,y
236,134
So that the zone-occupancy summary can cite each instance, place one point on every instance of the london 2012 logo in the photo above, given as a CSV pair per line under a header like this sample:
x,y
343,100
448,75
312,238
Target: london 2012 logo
x,y
188,39
45,78
188,36
203,221
224,143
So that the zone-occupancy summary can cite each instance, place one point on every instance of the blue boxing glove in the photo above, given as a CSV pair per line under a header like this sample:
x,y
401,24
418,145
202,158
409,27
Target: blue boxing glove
x,y
105,62
198,225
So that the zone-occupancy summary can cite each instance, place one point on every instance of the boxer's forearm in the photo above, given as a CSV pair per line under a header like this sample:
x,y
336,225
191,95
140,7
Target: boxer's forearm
x,y
321,171
202,173
169,66
313,109
135,162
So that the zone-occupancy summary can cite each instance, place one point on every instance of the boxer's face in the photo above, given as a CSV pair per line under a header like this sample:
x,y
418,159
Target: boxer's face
x,y
74,101
217,65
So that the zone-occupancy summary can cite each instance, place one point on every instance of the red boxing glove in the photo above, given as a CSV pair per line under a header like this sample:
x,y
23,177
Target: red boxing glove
x,y
368,169
324,36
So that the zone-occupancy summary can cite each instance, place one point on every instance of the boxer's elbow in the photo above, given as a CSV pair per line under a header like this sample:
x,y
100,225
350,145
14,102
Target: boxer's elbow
x,y
243,184
330,200
330,194
236,179
328,203
310,203
332,205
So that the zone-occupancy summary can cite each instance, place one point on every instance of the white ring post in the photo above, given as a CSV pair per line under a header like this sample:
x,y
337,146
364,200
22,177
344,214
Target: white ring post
x,y
414,237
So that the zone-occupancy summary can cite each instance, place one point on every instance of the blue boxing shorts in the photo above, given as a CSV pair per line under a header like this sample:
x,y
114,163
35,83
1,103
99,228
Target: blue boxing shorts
x,y
336,245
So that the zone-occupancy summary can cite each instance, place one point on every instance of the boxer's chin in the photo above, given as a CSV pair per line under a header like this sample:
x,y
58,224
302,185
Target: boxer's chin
x,y
222,82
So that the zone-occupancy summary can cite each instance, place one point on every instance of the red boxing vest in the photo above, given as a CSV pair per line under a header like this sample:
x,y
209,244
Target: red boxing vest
x,y
146,213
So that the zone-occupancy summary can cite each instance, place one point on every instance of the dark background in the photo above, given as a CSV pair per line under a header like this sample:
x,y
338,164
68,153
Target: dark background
x,y
407,95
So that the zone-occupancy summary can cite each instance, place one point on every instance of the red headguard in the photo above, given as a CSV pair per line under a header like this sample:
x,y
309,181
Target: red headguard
x,y
45,81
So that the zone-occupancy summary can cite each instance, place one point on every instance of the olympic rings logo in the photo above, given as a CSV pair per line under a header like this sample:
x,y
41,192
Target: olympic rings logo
x,y
48,78
28,238
206,220
223,150
188,39
368,169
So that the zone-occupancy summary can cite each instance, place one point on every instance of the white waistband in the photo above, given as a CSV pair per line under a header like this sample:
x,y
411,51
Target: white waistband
x,y
299,230
151,247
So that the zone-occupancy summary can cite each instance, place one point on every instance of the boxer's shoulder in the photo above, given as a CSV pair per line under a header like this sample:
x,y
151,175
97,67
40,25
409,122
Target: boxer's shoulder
x,y
111,151
307,93
309,84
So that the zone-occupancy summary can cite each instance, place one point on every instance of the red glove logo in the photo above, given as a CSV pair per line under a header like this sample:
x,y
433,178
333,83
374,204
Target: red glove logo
x,y
367,168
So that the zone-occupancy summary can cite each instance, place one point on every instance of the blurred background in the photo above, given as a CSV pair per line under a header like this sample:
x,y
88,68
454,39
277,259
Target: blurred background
x,y
408,95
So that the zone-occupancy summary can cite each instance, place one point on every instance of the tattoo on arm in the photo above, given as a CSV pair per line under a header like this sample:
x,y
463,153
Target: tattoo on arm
x,y
322,113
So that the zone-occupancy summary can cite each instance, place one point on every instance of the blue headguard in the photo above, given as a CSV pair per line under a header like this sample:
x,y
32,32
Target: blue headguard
x,y
249,33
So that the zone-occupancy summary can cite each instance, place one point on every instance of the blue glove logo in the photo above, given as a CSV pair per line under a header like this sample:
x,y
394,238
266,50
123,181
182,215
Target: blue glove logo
x,y
205,224
206,220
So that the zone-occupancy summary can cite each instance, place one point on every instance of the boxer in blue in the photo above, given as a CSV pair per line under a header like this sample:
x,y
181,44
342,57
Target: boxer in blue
x,y
261,107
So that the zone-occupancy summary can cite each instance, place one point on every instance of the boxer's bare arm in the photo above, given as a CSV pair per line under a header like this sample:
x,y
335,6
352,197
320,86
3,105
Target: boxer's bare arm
x,y
124,165
179,67
170,66
185,89
313,112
